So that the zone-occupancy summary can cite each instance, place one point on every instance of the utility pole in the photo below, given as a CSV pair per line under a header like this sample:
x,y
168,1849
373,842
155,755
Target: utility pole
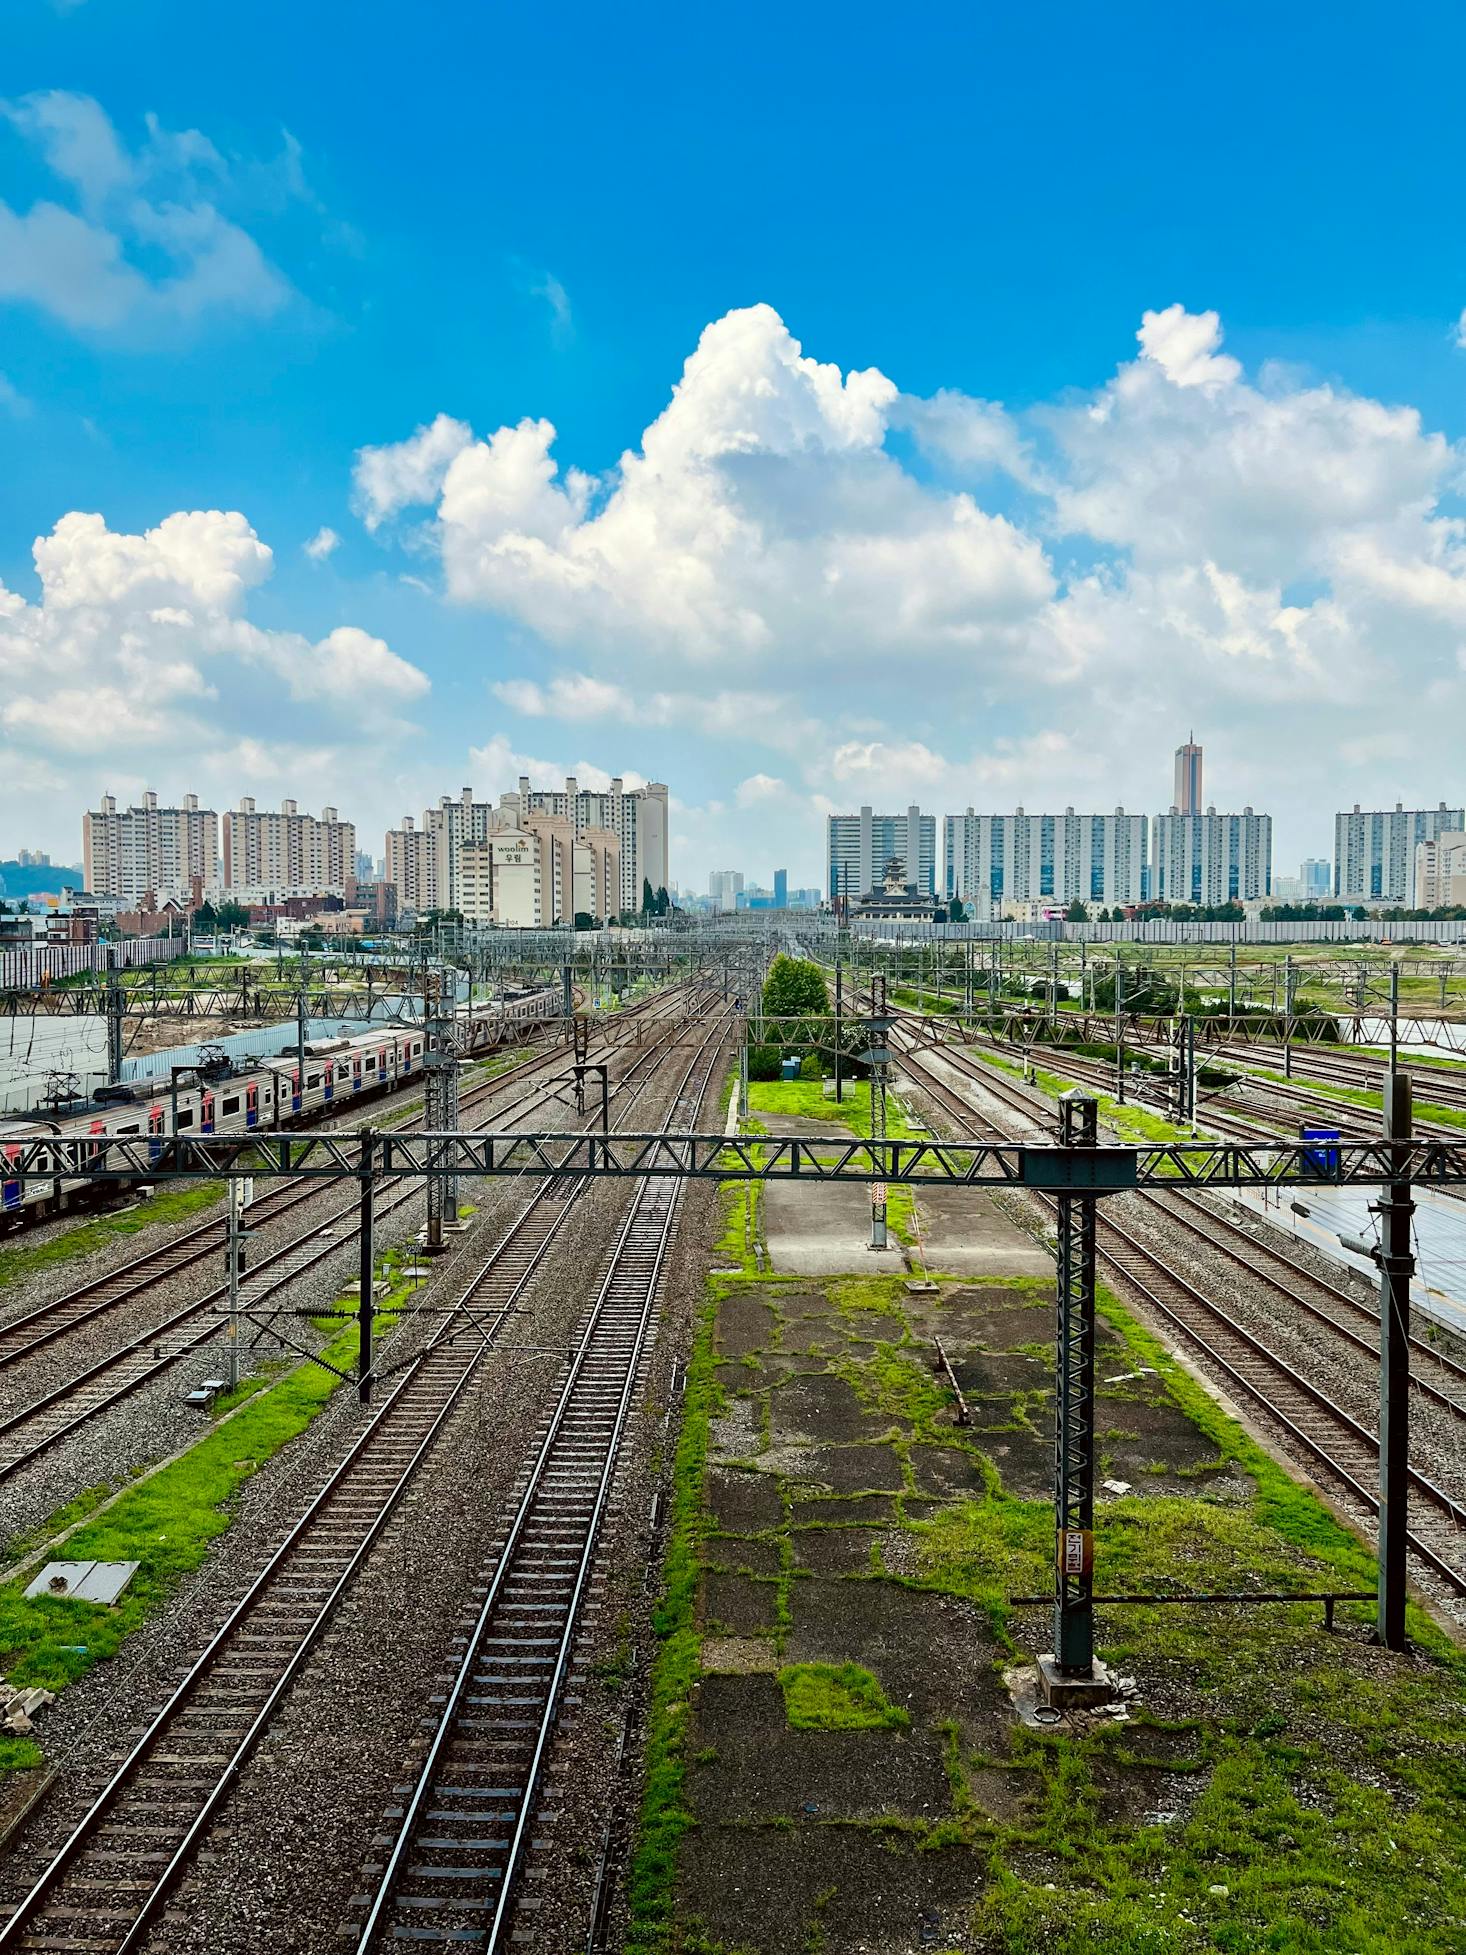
x,y
241,1189
880,1029
1288,1016
1119,1029
839,1057
1070,1674
440,1067
366,1302
1396,1266
1394,1014
114,1018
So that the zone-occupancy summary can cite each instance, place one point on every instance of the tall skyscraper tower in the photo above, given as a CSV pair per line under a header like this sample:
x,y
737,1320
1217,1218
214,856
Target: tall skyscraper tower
x,y
1187,799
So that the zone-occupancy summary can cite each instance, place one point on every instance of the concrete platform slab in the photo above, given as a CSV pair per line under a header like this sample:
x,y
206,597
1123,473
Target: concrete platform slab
x,y
964,1231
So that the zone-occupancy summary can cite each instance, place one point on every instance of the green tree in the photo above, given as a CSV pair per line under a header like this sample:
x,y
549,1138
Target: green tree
x,y
585,921
664,901
956,910
795,988
1076,912
648,901
233,916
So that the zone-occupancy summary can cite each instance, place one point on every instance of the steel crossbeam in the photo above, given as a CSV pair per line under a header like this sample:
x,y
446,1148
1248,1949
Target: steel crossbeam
x,y
44,1156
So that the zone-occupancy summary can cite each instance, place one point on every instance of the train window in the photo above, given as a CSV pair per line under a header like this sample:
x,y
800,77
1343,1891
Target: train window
x,y
185,1116
232,1106
133,1129
313,1079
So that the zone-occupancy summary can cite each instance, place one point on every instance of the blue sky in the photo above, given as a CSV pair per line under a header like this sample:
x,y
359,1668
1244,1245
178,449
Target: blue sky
x,y
937,512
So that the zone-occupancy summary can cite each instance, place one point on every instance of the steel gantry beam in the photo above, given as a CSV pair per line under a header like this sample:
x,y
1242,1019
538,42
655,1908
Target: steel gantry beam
x,y
43,1156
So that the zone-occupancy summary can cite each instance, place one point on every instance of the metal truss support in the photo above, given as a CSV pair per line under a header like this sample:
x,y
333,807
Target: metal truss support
x,y
115,1005
1074,1424
880,1032
366,1271
1396,1265
440,1101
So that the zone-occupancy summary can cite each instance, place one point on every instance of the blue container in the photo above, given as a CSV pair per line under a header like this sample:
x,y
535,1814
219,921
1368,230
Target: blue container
x,y
789,1069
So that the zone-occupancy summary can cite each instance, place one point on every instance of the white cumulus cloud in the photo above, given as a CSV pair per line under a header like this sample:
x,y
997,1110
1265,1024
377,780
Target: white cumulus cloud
x,y
139,652
322,544
144,241
761,506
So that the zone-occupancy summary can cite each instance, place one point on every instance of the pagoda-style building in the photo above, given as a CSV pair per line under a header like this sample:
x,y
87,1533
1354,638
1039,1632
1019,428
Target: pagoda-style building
x,y
896,901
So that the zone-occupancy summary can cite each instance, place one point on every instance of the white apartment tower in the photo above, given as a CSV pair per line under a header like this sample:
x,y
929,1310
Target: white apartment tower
x,y
859,846
990,860
1211,859
147,851
1374,850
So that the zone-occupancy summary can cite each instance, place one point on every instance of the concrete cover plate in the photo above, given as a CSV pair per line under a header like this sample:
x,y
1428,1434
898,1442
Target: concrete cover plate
x,y
84,1581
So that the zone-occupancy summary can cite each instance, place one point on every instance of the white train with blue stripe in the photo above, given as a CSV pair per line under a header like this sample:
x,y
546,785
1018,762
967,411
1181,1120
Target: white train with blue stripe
x,y
270,1094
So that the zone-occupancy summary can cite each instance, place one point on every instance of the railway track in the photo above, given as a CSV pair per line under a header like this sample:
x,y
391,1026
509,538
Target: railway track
x,y
460,1837
38,1326
1344,1451
104,1888
63,1409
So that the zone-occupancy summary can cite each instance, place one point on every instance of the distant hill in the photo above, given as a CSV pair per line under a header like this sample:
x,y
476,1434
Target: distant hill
x,y
16,880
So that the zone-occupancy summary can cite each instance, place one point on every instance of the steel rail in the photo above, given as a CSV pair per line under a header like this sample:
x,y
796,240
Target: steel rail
x,y
137,1369
653,1213
379,1433
1354,1433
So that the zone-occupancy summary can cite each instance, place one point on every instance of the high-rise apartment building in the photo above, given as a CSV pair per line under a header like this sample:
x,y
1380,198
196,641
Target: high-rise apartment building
x,y
1440,871
147,851
990,860
522,862
858,847
725,886
1316,877
1374,850
781,889
1210,859
636,816
412,865
1186,798
265,851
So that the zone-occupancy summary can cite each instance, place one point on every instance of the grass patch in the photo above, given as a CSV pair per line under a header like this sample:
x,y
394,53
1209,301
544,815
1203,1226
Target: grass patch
x,y
179,1203
1448,1116
651,1885
837,1697
165,1523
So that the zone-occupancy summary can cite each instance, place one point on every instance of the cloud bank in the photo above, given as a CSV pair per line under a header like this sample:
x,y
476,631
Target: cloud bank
x,y
951,599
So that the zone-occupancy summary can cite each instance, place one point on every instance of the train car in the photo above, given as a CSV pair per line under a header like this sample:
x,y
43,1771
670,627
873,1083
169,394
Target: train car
x,y
274,1093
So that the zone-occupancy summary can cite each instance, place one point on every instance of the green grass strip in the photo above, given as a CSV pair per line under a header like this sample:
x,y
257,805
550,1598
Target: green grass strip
x,y
165,1523
179,1203
651,1888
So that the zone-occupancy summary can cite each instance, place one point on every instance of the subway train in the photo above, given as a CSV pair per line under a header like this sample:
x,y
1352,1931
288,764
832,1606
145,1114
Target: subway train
x,y
269,1093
